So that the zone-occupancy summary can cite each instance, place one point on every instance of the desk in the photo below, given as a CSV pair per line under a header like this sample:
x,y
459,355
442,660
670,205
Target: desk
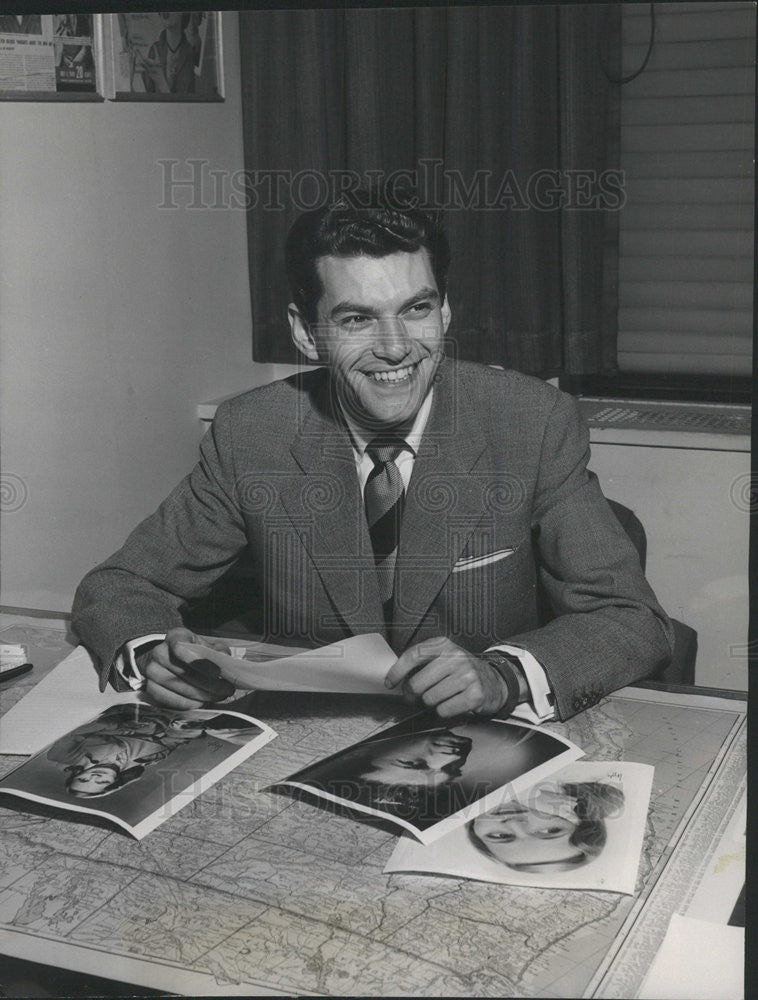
x,y
247,892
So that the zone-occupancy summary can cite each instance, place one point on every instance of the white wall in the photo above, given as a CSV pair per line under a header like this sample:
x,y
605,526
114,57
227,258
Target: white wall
x,y
692,504
116,319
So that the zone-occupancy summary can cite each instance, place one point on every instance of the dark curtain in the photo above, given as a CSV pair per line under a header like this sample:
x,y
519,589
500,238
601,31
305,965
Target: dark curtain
x,y
503,115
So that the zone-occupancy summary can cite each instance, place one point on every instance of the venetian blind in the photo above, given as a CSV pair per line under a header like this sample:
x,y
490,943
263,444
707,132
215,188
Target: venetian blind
x,y
686,232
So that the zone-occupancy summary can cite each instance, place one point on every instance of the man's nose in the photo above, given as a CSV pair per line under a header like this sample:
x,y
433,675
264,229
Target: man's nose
x,y
392,342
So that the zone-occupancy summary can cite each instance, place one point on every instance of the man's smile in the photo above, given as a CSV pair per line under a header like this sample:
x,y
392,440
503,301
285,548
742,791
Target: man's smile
x,y
392,374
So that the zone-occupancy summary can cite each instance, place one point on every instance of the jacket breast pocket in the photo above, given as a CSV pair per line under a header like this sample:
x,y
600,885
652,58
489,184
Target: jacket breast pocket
x,y
470,563
490,592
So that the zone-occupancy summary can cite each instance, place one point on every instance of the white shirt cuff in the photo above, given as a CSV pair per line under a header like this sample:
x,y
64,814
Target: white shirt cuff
x,y
540,709
126,661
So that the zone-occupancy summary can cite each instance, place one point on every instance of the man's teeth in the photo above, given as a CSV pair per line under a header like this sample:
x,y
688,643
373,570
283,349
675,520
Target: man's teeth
x,y
396,375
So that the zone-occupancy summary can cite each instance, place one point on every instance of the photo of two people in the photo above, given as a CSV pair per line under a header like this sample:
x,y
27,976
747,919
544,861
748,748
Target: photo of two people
x,y
116,748
137,764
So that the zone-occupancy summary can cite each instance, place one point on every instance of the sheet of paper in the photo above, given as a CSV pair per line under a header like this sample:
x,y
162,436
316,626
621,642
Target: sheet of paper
x,y
698,960
723,876
66,698
357,665
69,695
580,828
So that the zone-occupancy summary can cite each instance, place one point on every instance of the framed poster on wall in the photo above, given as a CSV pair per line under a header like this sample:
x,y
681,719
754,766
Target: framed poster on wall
x,y
166,56
49,57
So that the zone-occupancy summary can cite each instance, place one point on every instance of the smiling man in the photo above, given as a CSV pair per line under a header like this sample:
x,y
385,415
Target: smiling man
x,y
379,326
445,504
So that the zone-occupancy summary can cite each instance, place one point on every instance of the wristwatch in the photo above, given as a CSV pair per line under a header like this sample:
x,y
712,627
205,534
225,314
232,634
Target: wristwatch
x,y
509,669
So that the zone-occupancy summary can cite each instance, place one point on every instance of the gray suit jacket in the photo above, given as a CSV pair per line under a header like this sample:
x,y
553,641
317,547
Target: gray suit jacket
x,y
499,500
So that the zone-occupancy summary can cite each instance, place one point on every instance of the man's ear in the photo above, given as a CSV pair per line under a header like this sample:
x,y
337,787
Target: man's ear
x,y
301,333
446,313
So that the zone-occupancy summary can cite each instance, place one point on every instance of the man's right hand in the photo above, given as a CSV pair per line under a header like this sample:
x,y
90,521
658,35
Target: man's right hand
x,y
175,681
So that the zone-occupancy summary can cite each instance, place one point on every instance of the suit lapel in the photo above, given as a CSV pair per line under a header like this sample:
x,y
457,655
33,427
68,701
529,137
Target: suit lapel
x,y
325,505
443,505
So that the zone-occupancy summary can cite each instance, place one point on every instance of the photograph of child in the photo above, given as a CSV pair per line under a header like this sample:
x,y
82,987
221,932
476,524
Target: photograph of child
x,y
581,828
138,759
422,775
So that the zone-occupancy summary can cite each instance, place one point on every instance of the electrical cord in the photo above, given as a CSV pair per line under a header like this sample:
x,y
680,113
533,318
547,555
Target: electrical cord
x,y
632,76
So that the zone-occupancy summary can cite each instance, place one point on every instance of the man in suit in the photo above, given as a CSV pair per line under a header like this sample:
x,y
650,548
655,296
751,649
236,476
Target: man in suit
x,y
445,504
21,24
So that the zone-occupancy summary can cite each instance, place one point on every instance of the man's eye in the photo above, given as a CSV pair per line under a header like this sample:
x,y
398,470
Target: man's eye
x,y
355,319
550,831
420,309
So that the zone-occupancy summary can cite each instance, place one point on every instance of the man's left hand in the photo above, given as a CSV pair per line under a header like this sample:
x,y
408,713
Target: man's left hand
x,y
448,679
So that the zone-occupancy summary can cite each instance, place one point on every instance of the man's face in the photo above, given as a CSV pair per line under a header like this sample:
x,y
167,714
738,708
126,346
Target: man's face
x,y
419,760
380,328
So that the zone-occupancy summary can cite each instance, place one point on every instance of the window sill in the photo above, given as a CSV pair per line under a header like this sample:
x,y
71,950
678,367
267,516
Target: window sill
x,y
609,421
698,426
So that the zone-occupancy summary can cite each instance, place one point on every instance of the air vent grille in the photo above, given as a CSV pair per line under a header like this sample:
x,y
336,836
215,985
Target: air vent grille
x,y
633,414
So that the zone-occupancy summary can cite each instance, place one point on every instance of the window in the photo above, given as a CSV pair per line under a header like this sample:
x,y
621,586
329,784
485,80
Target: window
x,y
686,231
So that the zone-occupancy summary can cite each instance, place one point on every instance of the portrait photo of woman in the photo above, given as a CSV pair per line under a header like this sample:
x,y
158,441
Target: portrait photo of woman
x,y
581,828
556,825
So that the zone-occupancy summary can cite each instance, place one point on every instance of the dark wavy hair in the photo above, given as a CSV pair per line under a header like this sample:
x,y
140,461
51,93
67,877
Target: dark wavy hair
x,y
366,222
595,801
120,778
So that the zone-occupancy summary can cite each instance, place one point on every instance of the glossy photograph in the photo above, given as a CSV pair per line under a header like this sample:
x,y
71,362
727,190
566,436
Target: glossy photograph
x,y
582,828
136,764
429,776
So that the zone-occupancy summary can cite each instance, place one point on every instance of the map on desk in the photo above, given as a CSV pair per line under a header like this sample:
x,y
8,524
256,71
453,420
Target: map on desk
x,y
245,892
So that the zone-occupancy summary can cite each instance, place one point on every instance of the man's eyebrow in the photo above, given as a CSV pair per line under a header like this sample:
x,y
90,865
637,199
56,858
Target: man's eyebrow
x,y
423,293
346,306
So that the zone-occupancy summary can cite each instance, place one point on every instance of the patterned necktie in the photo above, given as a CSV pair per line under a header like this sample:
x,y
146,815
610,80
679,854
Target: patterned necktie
x,y
384,496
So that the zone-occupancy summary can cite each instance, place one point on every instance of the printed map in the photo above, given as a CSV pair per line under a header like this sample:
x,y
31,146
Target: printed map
x,y
251,890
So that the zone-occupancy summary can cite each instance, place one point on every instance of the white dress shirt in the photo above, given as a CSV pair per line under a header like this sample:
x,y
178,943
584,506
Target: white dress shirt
x,y
538,709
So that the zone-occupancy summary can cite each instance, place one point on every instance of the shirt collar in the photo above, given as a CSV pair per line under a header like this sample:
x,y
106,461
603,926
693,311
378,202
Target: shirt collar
x,y
412,438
